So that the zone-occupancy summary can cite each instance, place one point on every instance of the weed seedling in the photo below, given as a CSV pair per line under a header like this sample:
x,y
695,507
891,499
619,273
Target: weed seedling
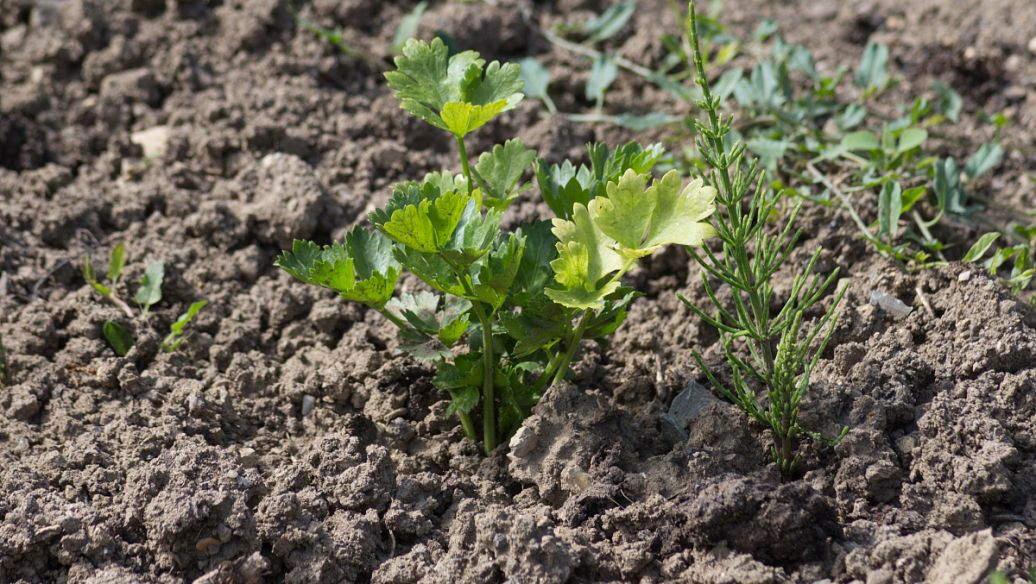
x,y
509,310
148,294
774,353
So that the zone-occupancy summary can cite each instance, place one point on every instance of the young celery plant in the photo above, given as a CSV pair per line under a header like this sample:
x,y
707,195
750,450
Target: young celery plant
x,y
496,328
763,350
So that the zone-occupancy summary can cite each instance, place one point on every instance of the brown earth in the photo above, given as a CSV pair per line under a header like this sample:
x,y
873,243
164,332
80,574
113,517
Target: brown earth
x,y
205,465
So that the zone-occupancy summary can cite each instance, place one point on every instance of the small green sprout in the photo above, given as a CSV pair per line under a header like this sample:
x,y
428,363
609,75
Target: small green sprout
x,y
506,312
176,335
774,353
148,294
150,291
116,263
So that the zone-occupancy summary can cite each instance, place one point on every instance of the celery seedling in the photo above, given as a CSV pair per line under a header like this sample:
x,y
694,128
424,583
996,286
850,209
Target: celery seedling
x,y
764,350
510,310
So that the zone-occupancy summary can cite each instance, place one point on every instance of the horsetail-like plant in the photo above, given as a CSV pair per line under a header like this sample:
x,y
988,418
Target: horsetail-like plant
x,y
509,310
768,352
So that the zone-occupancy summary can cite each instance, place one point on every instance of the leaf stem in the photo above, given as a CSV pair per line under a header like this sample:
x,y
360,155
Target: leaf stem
x,y
488,389
462,149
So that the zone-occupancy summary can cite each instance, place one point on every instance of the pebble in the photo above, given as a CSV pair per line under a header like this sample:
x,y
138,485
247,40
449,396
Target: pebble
x,y
890,304
153,141
1032,45
308,402
964,276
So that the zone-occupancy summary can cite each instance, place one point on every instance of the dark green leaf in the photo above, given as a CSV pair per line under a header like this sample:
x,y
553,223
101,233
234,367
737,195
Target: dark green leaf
x,y
118,337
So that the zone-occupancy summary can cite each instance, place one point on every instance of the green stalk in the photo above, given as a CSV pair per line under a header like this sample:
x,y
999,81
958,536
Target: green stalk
x,y
488,389
465,167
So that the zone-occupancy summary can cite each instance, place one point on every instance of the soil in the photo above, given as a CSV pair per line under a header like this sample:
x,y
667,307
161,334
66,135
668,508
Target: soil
x,y
288,441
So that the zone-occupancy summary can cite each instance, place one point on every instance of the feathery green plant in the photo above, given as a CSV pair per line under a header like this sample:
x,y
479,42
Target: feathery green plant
x,y
765,351
509,310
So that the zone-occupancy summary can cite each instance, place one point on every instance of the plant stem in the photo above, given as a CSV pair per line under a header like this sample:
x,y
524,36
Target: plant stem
x,y
462,149
488,389
393,318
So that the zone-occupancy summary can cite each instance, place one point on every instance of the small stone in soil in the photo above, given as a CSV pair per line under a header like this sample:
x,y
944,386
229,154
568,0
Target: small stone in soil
x,y
890,304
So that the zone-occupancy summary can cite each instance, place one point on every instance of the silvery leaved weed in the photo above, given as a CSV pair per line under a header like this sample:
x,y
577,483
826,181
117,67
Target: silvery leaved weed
x,y
767,351
506,311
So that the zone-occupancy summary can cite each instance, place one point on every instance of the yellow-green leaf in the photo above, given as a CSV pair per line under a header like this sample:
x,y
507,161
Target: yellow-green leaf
x,y
462,118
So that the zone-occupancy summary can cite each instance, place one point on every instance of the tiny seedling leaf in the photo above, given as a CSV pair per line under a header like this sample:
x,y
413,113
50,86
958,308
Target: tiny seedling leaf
x,y
150,291
872,74
408,26
118,337
606,24
537,81
911,138
861,140
986,158
602,74
176,337
948,101
980,247
116,263
890,207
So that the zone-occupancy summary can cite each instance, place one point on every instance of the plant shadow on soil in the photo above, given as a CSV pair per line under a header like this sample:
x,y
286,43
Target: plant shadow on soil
x,y
201,464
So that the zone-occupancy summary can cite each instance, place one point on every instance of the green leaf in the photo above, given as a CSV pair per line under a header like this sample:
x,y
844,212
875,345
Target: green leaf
x,y
986,158
911,138
585,256
118,337
175,337
911,196
408,26
499,170
536,78
872,74
463,118
473,235
150,291
852,116
535,273
608,23
861,140
641,221
497,271
890,207
428,225
432,269
360,268
91,278
980,247
602,74
949,102
452,93
462,380
563,186
117,263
